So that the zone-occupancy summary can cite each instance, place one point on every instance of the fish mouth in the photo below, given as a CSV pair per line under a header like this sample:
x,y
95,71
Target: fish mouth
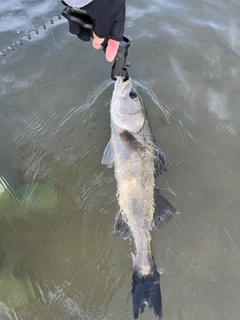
x,y
121,85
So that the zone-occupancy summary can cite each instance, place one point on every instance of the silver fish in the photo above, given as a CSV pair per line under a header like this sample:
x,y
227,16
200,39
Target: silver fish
x,y
136,159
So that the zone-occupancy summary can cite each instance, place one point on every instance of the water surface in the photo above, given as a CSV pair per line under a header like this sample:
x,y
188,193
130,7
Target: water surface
x,y
59,261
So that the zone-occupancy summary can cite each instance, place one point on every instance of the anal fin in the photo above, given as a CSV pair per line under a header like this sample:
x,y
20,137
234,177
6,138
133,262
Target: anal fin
x,y
121,228
164,211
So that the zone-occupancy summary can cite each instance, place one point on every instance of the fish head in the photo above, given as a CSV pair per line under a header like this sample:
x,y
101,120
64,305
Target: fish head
x,y
126,108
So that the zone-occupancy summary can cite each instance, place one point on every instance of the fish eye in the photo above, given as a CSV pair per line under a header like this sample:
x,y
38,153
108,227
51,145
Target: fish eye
x,y
133,95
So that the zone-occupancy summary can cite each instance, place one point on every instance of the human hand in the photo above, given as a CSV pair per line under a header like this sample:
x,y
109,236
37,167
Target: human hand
x,y
108,18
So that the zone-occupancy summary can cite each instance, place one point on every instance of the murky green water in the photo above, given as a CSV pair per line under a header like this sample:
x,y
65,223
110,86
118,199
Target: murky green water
x,y
58,260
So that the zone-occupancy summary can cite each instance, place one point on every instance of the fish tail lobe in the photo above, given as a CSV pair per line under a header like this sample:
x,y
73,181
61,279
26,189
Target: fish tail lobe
x,y
146,292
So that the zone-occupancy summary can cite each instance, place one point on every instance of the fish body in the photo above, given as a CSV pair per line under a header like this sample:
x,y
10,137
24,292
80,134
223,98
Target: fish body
x,y
136,159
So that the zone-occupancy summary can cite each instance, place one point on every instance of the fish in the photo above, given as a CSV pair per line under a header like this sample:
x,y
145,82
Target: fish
x,y
137,160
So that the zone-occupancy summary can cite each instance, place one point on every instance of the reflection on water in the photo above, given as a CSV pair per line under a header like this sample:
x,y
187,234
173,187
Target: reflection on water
x,y
58,260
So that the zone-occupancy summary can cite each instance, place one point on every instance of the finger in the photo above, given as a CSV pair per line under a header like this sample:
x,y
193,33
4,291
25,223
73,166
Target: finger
x,y
112,49
97,41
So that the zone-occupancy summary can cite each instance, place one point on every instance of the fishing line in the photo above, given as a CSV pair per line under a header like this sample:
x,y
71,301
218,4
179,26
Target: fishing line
x,y
161,106
27,35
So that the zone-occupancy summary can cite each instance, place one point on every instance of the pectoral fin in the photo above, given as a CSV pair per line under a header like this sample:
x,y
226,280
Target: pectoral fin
x,y
164,211
108,155
121,228
131,141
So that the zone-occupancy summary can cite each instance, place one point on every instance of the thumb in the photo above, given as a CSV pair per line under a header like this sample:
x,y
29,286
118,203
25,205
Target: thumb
x,y
97,41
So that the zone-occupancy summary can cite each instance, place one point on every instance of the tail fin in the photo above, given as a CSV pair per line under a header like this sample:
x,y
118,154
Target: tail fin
x,y
146,292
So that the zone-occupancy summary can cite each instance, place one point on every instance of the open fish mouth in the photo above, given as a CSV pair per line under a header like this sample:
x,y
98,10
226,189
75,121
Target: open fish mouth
x,y
121,85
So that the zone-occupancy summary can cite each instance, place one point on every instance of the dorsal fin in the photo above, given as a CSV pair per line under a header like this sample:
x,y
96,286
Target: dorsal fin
x,y
160,161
